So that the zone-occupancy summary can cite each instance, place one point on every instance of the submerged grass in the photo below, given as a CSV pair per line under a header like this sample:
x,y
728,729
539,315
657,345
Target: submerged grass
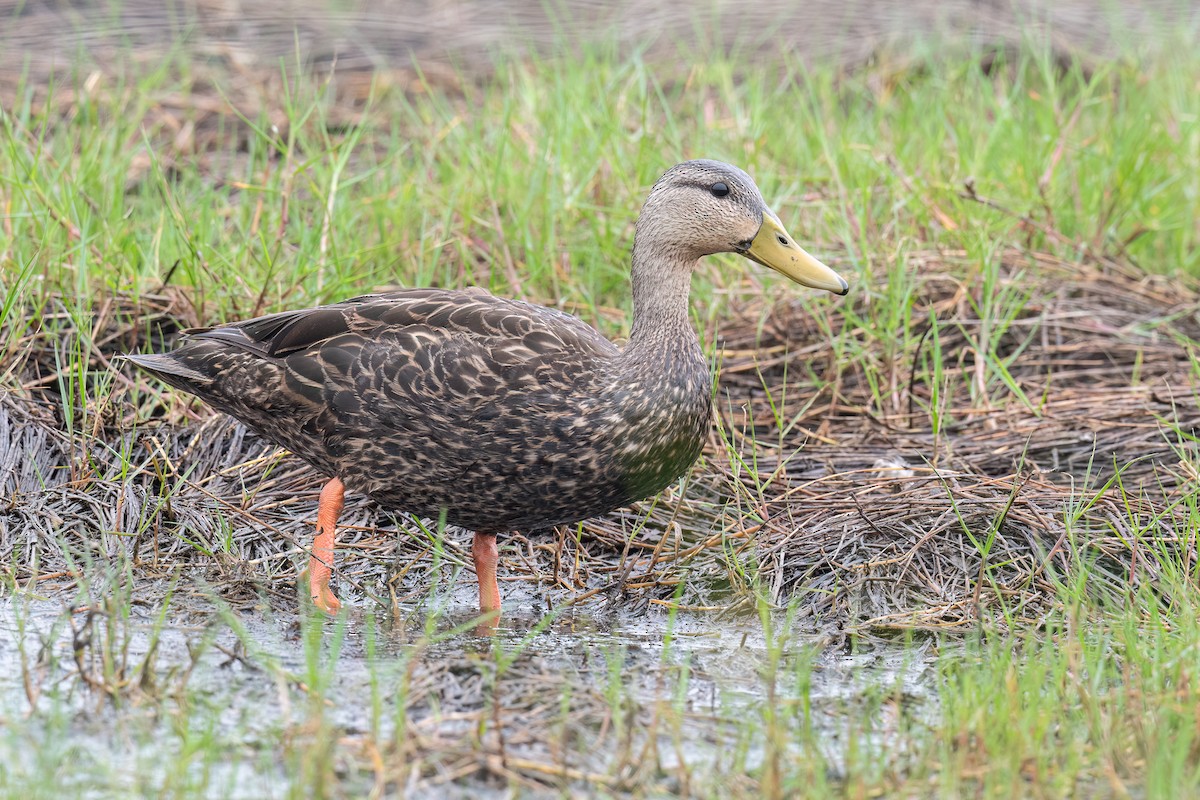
x,y
252,709
991,212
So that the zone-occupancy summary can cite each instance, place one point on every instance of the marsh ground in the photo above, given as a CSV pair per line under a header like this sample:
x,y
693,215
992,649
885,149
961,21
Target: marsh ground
x,y
942,541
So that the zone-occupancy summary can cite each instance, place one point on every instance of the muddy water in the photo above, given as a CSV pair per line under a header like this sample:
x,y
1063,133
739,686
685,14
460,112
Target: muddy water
x,y
254,682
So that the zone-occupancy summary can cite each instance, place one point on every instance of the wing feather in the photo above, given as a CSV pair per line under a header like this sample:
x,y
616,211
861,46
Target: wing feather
x,y
431,372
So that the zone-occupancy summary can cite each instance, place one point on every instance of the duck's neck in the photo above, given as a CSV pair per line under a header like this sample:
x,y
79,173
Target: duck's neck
x,y
661,328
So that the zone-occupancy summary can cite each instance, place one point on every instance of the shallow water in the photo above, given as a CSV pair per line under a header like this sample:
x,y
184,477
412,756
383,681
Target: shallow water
x,y
232,693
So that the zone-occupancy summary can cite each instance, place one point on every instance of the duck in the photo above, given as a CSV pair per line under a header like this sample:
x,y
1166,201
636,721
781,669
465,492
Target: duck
x,y
495,414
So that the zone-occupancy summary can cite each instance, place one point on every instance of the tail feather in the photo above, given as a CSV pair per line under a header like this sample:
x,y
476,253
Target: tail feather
x,y
170,369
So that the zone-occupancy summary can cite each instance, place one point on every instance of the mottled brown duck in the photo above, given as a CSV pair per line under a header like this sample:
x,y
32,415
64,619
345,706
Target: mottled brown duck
x,y
500,414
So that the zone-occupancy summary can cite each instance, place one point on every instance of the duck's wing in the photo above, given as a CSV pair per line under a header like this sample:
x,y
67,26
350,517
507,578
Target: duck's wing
x,y
444,366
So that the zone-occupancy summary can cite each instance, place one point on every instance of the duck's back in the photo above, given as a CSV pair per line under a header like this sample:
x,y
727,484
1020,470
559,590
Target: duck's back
x,y
497,411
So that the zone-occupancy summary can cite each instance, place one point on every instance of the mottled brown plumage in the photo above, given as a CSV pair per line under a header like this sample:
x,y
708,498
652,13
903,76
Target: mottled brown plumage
x,y
502,414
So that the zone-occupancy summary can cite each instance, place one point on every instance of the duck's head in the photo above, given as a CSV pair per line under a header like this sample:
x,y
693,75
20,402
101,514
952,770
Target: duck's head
x,y
703,207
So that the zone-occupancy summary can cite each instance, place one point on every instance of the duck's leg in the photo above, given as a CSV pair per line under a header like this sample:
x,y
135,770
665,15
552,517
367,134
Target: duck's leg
x,y
486,555
320,564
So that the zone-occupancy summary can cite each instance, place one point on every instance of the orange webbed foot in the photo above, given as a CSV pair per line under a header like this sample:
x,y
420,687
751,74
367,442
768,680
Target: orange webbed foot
x,y
325,600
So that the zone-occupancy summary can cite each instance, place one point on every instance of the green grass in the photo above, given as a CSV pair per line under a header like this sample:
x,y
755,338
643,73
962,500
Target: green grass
x,y
528,182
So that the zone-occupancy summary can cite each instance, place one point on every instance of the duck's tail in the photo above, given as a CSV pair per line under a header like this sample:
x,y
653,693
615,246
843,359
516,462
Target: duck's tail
x,y
171,370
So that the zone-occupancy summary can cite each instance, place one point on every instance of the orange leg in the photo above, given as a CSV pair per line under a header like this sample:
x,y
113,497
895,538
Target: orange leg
x,y
320,564
486,555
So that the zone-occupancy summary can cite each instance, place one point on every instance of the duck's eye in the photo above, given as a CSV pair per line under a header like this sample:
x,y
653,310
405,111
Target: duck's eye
x,y
719,189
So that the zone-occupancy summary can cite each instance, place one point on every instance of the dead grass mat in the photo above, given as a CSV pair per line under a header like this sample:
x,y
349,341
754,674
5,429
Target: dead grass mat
x,y
857,509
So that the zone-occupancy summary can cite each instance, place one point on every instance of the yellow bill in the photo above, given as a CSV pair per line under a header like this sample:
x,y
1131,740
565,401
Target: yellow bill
x,y
772,247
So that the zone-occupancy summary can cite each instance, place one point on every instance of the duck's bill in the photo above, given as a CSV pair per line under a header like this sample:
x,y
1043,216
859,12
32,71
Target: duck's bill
x,y
773,247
